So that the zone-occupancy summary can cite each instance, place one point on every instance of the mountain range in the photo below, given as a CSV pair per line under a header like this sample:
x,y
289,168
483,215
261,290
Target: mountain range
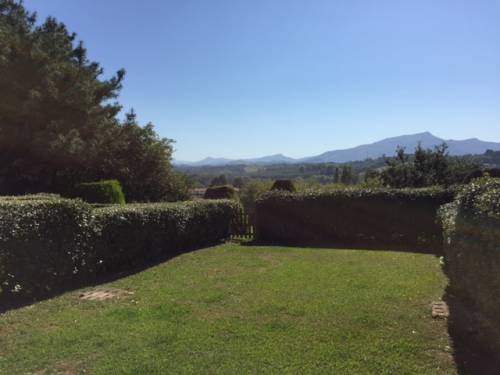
x,y
368,151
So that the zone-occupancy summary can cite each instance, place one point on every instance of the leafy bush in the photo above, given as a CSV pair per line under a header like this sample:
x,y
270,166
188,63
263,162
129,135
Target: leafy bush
x,y
138,233
220,180
478,173
354,218
472,259
286,185
105,192
426,167
44,243
220,192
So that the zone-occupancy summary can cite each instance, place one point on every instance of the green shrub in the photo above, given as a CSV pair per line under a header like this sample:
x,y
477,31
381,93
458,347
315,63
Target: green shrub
x,y
286,185
104,192
220,192
472,260
138,233
403,219
478,173
44,243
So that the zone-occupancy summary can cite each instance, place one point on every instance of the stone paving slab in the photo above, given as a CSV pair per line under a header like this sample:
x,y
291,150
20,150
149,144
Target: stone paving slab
x,y
440,310
101,294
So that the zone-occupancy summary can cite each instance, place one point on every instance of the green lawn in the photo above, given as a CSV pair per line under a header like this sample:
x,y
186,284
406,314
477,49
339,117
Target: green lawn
x,y
235,309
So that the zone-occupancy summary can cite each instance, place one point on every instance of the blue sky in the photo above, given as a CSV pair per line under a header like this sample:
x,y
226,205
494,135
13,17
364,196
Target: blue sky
x,y
238,78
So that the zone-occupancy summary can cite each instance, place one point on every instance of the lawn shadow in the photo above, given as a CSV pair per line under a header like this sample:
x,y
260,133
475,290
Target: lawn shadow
x,y
471,357
102,278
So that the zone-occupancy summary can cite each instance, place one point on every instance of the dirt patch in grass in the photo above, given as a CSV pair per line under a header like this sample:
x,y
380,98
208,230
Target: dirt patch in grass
x,y
213,313
7,329
64,368
271,259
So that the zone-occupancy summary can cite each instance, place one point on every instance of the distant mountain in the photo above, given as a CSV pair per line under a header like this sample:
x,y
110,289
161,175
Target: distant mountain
x,y
208,162
471,146
369,151
375,150
271,159
214,162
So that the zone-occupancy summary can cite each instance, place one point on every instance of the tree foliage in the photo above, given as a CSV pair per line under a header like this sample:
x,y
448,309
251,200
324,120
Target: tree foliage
x,y
252,191
348,176
426,167
58,117
219,180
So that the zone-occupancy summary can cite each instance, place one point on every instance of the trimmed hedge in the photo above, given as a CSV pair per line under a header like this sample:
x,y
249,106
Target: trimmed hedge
x,y
472,260
403,219
138,233
50,244
44,242
220,192
104,192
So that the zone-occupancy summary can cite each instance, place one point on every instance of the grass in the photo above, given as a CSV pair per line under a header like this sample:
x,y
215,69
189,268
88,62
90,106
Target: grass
x,y
233,309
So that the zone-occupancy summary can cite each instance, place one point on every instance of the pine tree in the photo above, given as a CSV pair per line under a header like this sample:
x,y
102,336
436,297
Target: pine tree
x,y
58,123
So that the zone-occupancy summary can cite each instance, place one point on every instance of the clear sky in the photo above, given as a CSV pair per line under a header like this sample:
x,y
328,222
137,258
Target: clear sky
x,y
245,78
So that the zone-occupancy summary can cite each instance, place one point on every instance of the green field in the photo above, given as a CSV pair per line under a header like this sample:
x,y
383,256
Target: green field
x,y
235,309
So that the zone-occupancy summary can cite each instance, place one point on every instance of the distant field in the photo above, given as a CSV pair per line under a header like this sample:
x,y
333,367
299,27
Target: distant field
x,y
234,309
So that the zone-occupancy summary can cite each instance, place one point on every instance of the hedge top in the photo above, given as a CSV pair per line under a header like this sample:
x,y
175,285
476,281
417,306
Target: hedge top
x,y
406,194
13,203
30,197
144,207
477,201
482,197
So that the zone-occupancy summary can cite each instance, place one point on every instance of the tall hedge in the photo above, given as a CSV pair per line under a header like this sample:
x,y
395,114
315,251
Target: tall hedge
x,y
403,219
472,260
45,242
137,233
105,192
49,244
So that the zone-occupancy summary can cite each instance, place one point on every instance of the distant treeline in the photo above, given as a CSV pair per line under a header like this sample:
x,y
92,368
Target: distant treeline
x,y
326,173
